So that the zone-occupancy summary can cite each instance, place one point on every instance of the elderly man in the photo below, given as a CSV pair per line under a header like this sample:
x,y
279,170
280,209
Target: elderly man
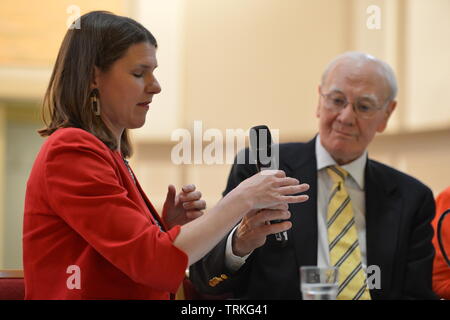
x,y
361,213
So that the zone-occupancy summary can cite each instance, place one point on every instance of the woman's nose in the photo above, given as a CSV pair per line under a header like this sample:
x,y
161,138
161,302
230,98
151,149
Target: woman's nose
x,y
153,87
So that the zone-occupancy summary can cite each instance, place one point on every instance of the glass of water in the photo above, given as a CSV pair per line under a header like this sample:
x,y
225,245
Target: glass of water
x,y
319,283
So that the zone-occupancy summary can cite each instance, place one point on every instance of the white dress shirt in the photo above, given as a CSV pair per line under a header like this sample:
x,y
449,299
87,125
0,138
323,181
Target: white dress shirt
x,y
354,184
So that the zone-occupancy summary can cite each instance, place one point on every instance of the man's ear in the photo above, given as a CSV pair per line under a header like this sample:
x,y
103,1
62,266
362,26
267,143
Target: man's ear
x,y
387,114
95,78
319,90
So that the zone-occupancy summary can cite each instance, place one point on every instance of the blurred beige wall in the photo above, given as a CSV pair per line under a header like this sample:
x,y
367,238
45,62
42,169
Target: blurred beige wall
x,y
237,63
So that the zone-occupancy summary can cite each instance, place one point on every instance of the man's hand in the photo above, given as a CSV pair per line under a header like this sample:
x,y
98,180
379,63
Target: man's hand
x,y
184,207
254,228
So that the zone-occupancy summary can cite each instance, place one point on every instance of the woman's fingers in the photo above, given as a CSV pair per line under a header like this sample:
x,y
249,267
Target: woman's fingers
x,y
171,194
268,215
294,199
195,205
270,188
288,190
287,181
192,196
279,206
188,188
276,173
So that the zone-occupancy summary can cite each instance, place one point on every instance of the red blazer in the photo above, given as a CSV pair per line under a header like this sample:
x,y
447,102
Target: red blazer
x,y
83,209
441,271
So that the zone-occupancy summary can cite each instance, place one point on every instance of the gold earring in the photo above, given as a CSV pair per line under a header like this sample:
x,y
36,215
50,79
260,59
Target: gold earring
x,y
95,102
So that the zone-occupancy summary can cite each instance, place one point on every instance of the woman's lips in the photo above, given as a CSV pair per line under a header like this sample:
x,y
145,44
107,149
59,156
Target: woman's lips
x,y
144,104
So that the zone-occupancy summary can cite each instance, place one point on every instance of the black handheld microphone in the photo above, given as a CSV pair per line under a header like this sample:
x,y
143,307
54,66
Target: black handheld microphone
x,y
261,154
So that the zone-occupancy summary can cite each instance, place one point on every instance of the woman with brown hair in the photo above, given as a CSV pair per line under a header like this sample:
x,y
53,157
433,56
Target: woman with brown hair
x,y
90,232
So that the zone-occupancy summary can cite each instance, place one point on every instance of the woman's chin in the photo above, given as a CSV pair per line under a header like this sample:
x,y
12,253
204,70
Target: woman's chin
x,y
137,125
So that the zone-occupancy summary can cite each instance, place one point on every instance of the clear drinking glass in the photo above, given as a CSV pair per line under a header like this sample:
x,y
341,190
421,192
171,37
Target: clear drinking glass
x,y
319,283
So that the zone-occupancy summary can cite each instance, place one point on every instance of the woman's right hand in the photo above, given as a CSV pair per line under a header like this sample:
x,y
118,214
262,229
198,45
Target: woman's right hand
x,y
270,188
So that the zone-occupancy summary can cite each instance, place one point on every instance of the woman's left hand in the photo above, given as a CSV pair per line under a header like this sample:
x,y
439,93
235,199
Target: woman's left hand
x,y
183,207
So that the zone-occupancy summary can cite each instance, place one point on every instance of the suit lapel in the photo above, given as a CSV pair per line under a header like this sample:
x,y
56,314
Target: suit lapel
x,y
153,213
304,231
383,213
139,194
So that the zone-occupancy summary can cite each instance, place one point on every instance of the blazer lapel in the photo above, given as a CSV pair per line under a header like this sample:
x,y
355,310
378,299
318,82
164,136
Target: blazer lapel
x,y
383,212
138,195
304,231
153,213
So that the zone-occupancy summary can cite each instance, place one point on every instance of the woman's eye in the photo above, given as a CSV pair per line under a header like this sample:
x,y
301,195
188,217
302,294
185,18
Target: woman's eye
x,y
138,75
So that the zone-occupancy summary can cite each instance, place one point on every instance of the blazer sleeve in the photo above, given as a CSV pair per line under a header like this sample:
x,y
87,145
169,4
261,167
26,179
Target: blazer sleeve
x,y
441,271
213,264
418,277
83,189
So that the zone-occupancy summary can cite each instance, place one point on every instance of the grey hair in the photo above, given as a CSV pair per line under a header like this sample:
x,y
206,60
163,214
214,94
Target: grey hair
x,y
361,57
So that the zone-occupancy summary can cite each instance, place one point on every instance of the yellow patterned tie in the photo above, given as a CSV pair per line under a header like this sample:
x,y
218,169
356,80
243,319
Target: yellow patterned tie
x,y
343,240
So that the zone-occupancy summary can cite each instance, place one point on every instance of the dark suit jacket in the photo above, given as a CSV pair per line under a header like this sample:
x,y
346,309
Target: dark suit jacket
x,y
399,209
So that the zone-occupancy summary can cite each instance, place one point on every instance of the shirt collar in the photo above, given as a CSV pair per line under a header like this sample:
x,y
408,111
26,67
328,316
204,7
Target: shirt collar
x,y
355,168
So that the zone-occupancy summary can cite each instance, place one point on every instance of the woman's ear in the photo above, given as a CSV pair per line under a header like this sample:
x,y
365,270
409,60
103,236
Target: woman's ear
x,y
95,78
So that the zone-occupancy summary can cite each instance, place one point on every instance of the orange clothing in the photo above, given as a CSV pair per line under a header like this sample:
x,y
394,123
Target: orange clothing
x,y
441,271
83,209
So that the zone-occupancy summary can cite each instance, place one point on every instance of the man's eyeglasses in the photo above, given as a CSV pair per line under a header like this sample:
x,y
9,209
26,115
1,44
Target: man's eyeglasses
x,y
363,108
